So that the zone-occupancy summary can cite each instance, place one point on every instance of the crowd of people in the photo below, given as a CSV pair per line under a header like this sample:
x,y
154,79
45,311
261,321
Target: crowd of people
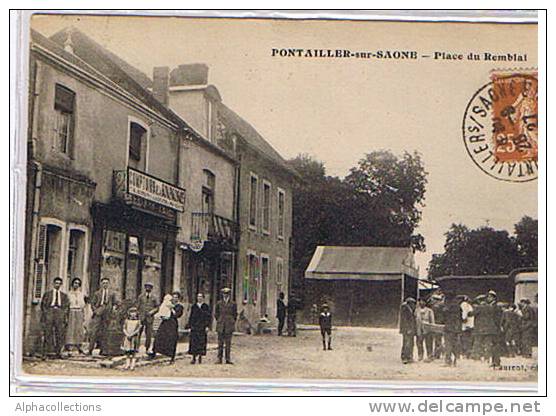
x,y
451,326
116,327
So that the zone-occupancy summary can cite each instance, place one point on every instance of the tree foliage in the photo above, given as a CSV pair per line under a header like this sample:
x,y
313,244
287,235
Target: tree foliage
x,y
378,204
485,250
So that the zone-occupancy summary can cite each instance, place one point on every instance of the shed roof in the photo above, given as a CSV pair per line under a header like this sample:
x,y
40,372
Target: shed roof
x,y
361,263
472,277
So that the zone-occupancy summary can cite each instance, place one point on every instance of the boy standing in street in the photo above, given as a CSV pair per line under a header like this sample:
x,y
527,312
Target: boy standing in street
x,y
325,323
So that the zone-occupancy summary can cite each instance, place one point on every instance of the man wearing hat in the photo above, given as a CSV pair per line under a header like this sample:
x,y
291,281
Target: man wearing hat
x,y
528,327
102,302
54,318
488,319
147,305
452,328
407,329
226,315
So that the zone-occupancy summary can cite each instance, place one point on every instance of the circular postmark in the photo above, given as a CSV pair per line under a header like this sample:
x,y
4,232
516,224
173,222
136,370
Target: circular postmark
x,y
500,127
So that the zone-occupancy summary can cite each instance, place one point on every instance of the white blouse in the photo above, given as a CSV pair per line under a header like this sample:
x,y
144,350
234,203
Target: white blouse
x,y
76,299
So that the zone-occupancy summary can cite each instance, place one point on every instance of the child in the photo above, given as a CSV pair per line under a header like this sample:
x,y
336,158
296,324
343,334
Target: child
x,y
165,309
132,328
325,323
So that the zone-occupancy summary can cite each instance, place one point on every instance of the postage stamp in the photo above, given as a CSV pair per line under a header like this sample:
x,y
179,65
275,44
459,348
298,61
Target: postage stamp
x,y
500,126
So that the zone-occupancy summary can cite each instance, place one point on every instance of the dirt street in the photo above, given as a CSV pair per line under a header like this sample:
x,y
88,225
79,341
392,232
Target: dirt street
x,y
358,354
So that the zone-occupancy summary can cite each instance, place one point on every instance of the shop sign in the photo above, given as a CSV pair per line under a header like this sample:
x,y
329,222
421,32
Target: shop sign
x,y
155,190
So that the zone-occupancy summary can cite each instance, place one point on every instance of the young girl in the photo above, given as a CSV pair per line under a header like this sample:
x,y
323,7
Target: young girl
x,y
132,328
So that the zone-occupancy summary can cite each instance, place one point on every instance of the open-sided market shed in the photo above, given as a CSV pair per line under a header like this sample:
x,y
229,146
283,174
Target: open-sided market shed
x,y
363,285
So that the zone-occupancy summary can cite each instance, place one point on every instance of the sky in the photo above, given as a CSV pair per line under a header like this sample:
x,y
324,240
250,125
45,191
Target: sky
x,y
337,110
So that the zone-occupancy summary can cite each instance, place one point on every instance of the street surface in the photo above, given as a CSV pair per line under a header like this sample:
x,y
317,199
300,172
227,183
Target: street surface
x,y
358,354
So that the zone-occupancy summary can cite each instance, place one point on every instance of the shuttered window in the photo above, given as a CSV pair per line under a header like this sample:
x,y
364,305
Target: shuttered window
x,y
40,263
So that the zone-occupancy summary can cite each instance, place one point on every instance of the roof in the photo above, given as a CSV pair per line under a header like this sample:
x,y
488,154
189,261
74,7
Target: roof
x,y
526,277
473,277
96,60
361,263
114,68
252,137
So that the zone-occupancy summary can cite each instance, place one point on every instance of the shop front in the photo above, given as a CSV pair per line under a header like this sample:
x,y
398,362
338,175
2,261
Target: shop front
x,y
134,235
209,260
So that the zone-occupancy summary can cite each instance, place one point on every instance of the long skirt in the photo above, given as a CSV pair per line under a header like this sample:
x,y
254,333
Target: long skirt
x,y
75,334
166,338
198,342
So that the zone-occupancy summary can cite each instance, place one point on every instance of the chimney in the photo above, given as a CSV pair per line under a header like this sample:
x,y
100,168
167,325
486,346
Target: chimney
x,y
189,75
161,76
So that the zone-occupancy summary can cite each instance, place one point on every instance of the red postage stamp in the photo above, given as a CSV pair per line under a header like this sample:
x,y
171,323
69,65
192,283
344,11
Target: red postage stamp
x,y
500,126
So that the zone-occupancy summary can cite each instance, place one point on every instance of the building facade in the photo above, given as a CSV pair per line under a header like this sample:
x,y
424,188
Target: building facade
x,y
147,180
102,198
252,194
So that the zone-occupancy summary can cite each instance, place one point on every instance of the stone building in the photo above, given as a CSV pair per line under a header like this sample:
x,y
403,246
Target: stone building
x,y
252,194
146,180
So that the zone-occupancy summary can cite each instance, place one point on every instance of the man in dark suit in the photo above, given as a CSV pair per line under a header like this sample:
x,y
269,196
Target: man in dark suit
x,y
102,302
280,312
226,314
408,329
147,305
488,319
54,318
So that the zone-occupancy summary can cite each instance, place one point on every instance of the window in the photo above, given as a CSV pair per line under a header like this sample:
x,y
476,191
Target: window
x,y
76,254
253,202
279,271
265,272
208,192
64,105
253,273
47,256
279,274
266,207
281,212
137,146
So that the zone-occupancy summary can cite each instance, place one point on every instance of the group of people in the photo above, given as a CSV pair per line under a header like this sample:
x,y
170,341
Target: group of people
x,y
117,327
454,326
287,313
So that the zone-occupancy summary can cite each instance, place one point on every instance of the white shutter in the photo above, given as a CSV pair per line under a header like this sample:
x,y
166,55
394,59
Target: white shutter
x,y
40,264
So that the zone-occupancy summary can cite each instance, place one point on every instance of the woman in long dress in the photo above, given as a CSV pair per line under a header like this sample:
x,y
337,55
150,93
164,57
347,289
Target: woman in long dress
x,y
166,339
75,334
199,323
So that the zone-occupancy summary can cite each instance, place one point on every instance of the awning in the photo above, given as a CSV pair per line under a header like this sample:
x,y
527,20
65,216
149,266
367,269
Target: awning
x,y
361,263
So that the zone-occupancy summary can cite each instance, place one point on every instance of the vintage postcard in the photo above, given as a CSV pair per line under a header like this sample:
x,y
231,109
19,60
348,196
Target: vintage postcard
x,y
281,199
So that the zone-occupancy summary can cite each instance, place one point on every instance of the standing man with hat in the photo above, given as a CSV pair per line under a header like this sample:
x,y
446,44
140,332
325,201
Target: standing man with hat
x,y
226,315
102,302
487,324
408,329
54,318
147,305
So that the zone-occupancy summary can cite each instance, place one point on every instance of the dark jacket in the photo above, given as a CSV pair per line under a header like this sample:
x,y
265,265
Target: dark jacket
x,y
199,318
280,309
529,318
147,307
487,319
407,320
225,314
325,321
453,320
96,299
511,322
46,301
